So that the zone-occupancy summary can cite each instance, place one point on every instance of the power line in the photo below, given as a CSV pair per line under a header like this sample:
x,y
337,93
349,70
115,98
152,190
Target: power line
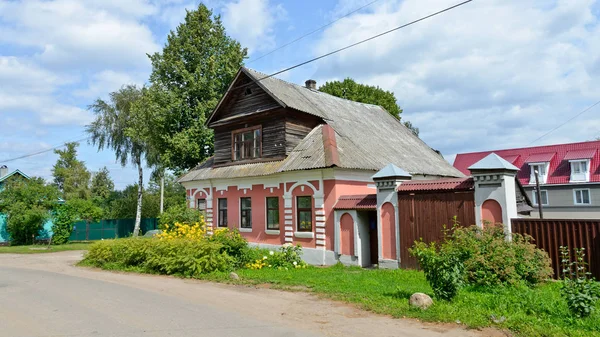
x,y
311,32
354,44
570,119
42,151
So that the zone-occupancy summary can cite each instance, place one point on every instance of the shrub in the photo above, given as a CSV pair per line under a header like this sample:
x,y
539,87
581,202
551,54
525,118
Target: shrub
x,y
175,256
188,258
180,214
233,243
490,260
482,258
579,289
288,257
442,266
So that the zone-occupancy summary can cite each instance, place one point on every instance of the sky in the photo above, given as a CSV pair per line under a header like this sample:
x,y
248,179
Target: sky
x,y
491,74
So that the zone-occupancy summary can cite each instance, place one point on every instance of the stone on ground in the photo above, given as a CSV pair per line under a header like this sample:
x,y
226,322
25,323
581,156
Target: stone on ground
x,y
234,276
420,300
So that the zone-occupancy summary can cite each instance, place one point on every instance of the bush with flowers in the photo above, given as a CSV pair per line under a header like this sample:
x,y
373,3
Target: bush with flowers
x,y
288,257
195,231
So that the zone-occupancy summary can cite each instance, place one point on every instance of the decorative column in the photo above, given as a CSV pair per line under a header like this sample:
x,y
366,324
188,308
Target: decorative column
x,y
387,181
209,214
320,220
494,179
288,218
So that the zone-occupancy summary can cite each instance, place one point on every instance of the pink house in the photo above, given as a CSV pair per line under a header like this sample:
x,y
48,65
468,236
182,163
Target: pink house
x,y
285,155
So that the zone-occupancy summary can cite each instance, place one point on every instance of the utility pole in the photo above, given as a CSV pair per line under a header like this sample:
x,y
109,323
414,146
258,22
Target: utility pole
x,y
162,191
538,193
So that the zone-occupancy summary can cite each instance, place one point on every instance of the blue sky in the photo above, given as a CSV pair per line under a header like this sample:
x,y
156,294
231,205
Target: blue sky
x,y
491,74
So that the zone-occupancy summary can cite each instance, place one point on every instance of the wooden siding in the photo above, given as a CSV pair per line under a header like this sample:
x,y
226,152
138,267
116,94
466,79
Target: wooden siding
x,y
550,234
297,126
273,137
422,215
238,103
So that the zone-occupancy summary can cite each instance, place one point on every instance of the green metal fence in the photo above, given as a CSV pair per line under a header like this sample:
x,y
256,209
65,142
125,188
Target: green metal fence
x,y
110,229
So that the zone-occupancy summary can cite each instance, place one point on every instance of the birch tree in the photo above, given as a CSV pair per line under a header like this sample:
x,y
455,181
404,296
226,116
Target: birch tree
x,y
114,128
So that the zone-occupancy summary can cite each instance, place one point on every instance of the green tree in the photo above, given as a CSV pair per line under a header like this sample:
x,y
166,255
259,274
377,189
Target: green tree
x,y
102,184
114,128
70,174
188,78
123,204
369,94
27,205
68,213
174,192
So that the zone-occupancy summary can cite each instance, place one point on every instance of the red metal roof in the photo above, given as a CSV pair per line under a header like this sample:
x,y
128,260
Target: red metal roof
x,y
540,157
459,184
560,169
511,159
580,154
364,202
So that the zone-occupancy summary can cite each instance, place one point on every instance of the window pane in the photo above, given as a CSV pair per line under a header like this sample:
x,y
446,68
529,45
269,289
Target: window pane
x,y
585,196
583,166
544,198
201,204
578,197
246,203
304,202
304,221
273,202
272,219
222,203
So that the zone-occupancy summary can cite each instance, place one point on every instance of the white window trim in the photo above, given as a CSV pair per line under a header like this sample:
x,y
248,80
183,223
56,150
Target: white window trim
x,y
243,230
586,174
534,197
271,231
575,197
543,178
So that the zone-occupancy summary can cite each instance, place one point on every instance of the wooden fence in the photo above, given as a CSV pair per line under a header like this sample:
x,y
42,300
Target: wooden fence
x,y
423,214
551,234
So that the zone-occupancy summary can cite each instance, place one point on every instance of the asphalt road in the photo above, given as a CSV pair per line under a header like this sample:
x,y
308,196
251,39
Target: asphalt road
x,y
44,295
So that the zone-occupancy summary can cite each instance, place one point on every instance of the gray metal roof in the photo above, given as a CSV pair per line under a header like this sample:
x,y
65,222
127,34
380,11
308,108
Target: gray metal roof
x,y
367,137
493,162
391,171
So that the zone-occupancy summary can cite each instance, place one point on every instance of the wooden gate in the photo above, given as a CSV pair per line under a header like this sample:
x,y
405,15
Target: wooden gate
x,y
423,214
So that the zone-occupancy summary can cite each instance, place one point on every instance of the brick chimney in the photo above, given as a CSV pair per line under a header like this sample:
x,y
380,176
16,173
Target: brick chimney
x,y
3,171
311,84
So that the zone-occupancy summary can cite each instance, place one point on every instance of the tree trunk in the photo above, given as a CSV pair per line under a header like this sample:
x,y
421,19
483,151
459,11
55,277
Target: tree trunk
x,y
138,212
162,192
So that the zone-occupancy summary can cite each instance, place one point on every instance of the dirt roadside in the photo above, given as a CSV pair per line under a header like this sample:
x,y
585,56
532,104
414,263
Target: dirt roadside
x,y
296,310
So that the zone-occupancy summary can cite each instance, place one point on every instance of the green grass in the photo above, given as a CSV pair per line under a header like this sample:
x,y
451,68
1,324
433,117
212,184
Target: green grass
x,y
536,311
39,249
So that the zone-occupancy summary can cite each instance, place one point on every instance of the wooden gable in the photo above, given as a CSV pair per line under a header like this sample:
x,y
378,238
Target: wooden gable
x,y
244,98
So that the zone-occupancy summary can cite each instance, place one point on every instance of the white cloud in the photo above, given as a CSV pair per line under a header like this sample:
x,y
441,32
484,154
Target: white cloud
x,y
107,81
490,74
46,109
251,22
69,33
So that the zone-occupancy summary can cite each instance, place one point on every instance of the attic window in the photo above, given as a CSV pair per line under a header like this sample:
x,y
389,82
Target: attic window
x,y
246,143
248,92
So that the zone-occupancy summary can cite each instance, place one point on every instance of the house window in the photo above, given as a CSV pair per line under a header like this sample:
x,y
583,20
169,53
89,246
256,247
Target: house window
x,y
582,197
222,212
580,171
273,213
247,143
304,206
544,196
542,170
248,92
245,213
201,205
